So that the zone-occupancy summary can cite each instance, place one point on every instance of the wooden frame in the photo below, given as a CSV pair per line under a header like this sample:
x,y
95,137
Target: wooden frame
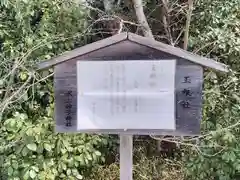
x,y
140,40
129,46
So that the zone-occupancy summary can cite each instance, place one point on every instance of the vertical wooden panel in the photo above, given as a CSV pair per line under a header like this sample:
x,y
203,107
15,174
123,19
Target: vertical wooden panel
x,y
65,92
189,79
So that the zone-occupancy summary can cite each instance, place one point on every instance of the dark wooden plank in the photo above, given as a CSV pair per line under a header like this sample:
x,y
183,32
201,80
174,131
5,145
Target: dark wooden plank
x,y
65,80
65,92
170,50
188,84
132,132
124,50
178,52
187,122
129,50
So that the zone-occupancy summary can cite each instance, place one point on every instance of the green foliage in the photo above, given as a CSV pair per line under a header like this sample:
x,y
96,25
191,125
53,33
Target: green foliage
x,y
36,30
218,154
32,31
32,151
215,33
215,30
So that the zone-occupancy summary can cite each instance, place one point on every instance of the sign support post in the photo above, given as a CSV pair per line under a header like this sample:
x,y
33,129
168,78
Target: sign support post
x,y
126,157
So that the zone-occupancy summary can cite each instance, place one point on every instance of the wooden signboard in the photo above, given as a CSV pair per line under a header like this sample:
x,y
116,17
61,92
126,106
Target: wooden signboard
x,y
128,84
176,90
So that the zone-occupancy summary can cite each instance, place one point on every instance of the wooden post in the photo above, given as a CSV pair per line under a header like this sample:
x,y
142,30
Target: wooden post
x,y
126,156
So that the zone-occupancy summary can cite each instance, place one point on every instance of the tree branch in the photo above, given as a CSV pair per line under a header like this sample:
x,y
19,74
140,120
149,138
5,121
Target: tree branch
x,y
186,33
138,6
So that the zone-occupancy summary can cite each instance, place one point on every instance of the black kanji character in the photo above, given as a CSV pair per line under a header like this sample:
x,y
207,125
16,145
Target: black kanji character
x,y
68,106
69,93
68,119
187,79
187,92
185,104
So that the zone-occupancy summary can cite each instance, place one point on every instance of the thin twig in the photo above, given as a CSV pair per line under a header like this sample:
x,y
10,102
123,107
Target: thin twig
x,y
6,102
179,35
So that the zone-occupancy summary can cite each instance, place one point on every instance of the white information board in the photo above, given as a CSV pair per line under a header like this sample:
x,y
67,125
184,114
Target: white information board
x,y
132,94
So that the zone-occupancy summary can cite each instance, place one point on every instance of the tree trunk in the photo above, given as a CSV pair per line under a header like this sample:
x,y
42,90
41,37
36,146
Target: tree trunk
x,y
138,6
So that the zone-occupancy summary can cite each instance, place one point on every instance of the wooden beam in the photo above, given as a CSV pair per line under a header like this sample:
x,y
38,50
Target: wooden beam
x,y
178,52
144,41
126,157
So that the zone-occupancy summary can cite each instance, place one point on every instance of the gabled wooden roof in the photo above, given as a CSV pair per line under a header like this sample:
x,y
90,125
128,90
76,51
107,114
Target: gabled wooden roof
x,y
139,40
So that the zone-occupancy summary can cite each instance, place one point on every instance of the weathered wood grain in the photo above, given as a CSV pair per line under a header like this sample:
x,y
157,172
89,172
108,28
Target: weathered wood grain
x,y
124,50
187,121
65,92
181,53
188,88
144,41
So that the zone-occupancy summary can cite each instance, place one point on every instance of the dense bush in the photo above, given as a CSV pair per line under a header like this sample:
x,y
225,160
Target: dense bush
x,y
32,31
36,30
32,150
217,154
215,30
216,33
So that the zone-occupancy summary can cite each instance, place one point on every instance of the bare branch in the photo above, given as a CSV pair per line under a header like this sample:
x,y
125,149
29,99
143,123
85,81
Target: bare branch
x,y
179,35
6,102
189,15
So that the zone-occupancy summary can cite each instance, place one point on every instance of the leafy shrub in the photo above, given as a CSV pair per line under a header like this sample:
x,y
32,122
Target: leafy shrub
x,y
32,150
215,30
36,30
215,33
32,31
